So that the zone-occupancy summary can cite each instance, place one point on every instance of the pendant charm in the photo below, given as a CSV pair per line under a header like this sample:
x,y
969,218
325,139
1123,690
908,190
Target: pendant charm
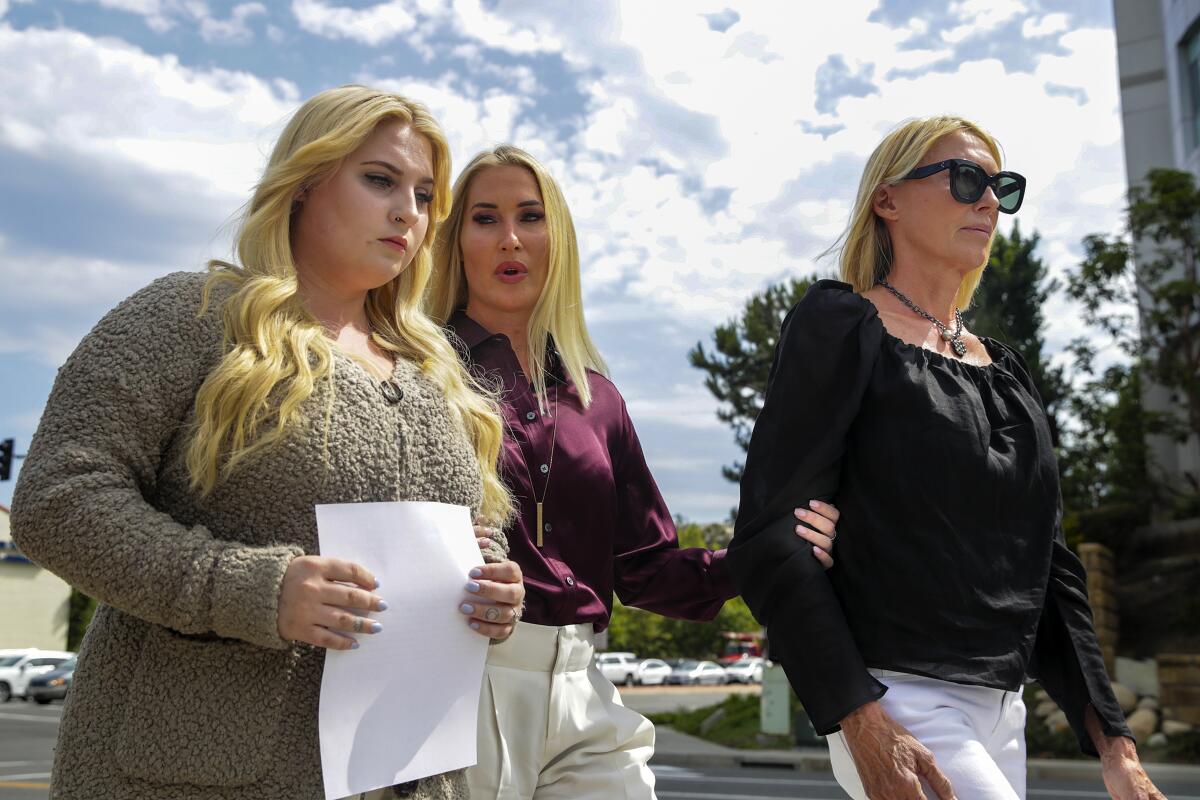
x,y
959,348
947,336
539,524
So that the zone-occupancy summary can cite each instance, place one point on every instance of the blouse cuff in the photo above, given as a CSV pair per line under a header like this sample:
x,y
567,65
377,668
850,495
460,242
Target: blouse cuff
x,y
722,578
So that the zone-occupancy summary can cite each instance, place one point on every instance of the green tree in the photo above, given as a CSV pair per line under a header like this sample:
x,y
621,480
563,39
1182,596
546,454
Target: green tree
x,y
736,368
1008,306
1160,284
79,615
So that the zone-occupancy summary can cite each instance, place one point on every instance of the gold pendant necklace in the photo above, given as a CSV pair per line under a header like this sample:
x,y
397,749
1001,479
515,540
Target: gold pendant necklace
x,y
539,502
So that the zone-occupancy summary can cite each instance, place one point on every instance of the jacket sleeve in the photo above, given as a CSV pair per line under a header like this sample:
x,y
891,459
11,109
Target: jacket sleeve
x,y
1066,656
652,571
826,353
83,506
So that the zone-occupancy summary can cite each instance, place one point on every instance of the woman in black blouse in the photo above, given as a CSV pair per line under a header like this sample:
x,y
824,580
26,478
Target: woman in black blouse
x,y
953,581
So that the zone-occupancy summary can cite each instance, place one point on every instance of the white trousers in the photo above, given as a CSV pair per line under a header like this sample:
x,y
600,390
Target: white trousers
x,y
976,734
551,726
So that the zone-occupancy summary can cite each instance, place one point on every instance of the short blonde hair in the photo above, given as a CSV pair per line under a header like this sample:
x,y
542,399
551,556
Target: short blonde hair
x,y
559,309
277,354
866,247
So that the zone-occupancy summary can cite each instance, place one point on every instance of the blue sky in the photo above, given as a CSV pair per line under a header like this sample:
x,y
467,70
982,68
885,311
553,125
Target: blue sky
x,y
707,149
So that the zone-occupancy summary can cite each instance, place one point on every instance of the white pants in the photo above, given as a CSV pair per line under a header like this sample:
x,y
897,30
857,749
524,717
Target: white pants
x,y
551,726
976,734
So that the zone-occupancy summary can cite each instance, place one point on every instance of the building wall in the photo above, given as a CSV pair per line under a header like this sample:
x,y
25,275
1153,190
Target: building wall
x,y
34,603
1159,123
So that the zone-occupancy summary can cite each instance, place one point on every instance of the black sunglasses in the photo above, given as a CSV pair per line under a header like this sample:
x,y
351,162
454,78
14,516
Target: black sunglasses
x,y
968,182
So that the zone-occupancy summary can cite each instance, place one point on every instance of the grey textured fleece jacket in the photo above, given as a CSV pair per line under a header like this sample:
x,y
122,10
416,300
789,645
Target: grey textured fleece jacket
x,y
184,688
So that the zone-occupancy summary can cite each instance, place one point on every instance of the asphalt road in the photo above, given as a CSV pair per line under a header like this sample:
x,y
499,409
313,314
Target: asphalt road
x,y
27,734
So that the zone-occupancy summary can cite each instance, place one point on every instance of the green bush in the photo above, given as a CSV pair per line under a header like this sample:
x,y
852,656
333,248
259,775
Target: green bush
x,y
79,617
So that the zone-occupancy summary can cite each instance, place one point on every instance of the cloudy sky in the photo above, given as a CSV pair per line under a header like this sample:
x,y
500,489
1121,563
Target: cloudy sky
x,y
707,148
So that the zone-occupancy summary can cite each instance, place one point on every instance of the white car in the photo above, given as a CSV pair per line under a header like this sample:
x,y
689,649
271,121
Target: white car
x,y
619,668
653,672
689,672
17,669
746,670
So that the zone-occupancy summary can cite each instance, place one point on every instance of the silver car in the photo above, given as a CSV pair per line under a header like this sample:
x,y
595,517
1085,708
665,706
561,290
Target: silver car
x,y
746,670
699,672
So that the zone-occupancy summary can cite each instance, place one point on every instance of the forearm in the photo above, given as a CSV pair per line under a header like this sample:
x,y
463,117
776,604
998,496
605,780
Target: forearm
x,y
1109,747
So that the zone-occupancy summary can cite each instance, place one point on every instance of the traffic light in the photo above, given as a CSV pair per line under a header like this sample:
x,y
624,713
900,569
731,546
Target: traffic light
x,y
6,459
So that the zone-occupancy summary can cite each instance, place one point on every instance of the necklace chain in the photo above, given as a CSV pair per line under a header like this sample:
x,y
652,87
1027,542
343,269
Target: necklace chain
x,y
549,467
953,337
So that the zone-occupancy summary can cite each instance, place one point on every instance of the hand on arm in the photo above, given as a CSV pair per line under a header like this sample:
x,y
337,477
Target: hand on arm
x,y
1124,776
823,519
891,762
497,595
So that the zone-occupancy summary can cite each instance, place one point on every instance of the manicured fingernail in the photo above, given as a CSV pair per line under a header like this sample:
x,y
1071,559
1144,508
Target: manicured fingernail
x,y
467,608
377,583
354,646
376,627
382,605
816,551
476,573
475,626
800,529
800,512
815,504
472,586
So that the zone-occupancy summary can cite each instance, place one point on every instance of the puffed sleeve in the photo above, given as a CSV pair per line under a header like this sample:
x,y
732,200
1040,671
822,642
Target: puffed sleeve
x,y
827,350
1066,656
83,505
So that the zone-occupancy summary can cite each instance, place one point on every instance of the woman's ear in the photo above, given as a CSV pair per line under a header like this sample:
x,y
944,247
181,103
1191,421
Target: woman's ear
x,y
884,202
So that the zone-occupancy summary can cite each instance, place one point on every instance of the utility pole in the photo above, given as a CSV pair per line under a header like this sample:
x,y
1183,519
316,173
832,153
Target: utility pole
x,y
7,456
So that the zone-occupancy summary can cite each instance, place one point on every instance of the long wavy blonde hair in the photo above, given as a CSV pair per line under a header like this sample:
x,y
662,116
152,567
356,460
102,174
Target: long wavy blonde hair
x,y
866,248
559,310
277,354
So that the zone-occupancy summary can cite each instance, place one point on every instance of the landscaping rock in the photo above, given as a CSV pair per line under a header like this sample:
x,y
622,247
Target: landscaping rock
x,y
1142,723
1139,675
1040,696
1045,708
1148,702
1172,727
1127,698
1057,722
1157,740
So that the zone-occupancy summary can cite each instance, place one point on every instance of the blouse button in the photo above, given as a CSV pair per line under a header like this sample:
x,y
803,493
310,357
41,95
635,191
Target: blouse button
x,y
547,526
531,416
570,581
544,469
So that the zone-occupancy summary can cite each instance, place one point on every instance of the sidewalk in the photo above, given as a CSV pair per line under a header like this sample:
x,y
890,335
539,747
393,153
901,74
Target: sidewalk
x,y
681,750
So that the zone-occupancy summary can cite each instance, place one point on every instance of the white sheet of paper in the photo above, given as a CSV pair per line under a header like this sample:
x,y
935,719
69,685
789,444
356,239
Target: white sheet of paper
x,y
403,705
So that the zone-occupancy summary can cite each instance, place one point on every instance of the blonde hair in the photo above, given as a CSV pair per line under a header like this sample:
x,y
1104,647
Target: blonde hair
x,y
277,354
559,310
866,248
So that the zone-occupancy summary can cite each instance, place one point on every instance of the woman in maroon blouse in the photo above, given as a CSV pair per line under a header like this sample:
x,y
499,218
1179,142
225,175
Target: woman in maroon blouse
x,y
590,518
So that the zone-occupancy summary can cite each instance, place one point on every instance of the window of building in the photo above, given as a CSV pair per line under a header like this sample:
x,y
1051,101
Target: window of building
x,y
1191,60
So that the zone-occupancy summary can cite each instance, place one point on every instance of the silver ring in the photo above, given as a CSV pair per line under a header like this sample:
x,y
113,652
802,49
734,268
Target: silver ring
x,y
492,614
357,627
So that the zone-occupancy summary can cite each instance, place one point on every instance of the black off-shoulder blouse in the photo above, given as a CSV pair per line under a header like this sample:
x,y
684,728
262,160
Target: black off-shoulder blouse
x,y
951,561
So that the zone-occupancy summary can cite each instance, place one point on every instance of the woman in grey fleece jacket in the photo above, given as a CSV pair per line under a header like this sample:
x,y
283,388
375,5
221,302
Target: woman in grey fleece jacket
x,y
200,674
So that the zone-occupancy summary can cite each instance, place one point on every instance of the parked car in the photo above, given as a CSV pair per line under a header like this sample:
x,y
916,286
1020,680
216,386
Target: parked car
x,y
53,685
17,670
619,668
746,670
702,672
653,672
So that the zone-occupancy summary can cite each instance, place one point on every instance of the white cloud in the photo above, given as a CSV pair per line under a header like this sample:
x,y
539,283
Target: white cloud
x,y
1044,26
373,25
234,30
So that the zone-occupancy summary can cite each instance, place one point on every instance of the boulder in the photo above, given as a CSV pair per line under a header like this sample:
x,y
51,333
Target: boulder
x,y
1157,740
1148,702
1142,723
1040,696
1139,675
1057,722
1045,708
1127,698
1173,727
